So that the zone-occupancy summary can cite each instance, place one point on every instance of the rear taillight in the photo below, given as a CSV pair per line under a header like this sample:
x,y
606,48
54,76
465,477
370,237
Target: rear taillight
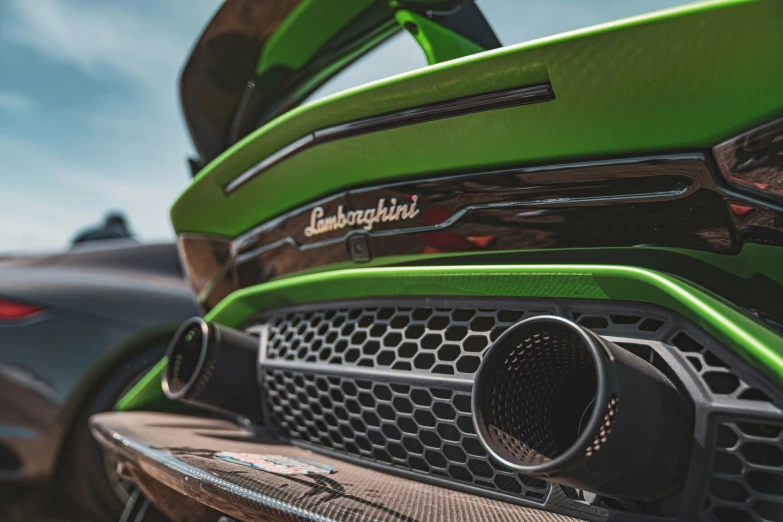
x,y
753,162
15,310
207,261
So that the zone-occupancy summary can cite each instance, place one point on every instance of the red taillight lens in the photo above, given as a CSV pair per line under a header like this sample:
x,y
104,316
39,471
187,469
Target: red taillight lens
x,y
753,161
206,260
14,310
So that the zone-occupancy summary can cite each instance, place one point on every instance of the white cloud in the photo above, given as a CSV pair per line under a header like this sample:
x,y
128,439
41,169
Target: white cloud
x,y
123,150
44,215
101,39
15,102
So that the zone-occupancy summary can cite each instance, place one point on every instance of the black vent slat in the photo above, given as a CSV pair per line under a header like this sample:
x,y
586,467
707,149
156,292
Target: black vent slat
x,y
747,473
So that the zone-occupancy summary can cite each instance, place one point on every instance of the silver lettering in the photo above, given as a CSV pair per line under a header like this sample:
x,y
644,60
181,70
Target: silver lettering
x,y
390,216
369,218
320,224
413,210
311,230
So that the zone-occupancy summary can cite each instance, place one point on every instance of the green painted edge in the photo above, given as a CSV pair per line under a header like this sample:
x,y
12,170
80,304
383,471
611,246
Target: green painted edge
x,y
752,340
752,259
438,43
145,393
305,31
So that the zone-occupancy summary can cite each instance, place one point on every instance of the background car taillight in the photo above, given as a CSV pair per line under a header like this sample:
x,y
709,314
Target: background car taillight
x,y
10,310
753,162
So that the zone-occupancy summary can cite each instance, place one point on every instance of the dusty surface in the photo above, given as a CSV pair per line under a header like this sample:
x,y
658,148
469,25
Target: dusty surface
x,y
39,505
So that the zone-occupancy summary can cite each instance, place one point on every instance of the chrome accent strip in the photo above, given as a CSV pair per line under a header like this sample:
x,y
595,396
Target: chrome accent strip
x,y
373,374
262,331
469,105
268,162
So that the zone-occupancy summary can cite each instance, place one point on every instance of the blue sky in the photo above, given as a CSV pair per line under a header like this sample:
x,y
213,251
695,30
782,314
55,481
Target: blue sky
x,y
89,115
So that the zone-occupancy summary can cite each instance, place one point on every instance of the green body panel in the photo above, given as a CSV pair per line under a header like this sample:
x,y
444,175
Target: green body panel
x,y
305,31
147,393
759,345
438,43
682,79
754,259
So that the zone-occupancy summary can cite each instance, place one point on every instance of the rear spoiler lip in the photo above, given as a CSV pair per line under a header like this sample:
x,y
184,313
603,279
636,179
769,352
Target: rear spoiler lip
x,y
472,104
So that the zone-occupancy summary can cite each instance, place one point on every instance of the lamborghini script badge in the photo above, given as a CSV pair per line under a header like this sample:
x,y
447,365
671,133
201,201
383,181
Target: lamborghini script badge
x,y
383,213
275,463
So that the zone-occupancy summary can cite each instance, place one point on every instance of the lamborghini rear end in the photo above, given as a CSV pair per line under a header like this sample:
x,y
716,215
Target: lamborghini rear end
x,y
528,283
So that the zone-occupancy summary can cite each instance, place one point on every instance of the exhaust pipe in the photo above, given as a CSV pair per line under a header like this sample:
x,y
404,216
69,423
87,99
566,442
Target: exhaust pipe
x,y
554,400
214,367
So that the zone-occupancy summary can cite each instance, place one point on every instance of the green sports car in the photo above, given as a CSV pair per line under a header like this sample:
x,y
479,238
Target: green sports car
x,y
536,282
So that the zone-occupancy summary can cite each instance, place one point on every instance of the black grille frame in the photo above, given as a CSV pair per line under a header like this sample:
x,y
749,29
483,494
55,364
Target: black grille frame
x,y
673,344
746,470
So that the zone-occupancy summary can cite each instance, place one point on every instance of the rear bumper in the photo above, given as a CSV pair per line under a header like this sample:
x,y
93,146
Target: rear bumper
x,y
172,459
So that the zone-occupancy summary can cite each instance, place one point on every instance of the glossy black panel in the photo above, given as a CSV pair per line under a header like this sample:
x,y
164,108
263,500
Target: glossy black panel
x,y
542,200
662,201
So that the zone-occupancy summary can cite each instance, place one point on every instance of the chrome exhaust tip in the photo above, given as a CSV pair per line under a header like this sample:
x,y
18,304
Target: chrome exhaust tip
x,y
554,400
213,366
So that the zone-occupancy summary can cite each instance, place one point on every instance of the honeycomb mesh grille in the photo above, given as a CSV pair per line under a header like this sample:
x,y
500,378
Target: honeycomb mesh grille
x,y
433,340
452,340
416,425
425,430
746,483
719,377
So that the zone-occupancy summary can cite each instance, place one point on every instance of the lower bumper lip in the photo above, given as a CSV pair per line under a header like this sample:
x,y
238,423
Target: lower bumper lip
x,y
178,451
